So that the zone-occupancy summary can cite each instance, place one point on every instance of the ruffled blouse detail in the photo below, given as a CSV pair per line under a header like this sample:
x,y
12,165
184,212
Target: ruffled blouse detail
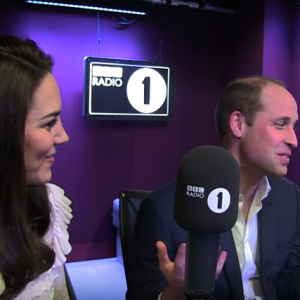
x,y
43,288
58,236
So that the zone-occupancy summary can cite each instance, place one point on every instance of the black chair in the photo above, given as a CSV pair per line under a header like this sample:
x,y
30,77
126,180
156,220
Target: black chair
x,y
130,201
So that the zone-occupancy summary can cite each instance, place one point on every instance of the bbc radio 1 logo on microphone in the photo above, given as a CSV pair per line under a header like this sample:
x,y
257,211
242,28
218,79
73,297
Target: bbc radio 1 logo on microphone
x,y
218,199
195,191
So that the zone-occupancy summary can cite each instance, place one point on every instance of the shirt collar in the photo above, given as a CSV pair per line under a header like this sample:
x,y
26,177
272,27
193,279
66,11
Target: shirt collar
x,y
262,191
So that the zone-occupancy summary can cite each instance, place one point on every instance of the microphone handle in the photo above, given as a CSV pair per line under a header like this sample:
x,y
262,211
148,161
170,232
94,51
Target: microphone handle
x,y
202,250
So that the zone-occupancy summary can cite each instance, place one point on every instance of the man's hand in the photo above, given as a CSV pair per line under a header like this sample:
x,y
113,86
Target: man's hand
x,y
174,272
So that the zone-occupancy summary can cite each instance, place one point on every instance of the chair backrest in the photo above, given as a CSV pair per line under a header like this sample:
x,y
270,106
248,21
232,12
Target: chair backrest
x,y
130,201
72,295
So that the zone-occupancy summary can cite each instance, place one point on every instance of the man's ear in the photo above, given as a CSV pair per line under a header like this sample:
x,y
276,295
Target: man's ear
x,y
236,122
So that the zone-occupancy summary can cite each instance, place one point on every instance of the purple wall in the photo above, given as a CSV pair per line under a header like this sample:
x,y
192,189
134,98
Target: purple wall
x,y
245,52
277,40
294,68
205,51
281,55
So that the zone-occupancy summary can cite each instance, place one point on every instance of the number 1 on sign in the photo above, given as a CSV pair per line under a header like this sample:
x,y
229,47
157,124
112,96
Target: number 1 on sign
x,y
146,90
146,83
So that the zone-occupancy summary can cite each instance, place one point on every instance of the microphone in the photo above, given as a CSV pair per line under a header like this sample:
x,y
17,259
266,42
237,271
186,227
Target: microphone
x,y
206,204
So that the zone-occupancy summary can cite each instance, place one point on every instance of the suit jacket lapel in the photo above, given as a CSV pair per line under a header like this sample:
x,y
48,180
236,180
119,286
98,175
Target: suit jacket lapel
x,y
266,237
266,230
231,268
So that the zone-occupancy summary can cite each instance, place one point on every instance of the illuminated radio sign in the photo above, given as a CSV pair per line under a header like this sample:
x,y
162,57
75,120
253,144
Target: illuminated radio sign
x,y
123,89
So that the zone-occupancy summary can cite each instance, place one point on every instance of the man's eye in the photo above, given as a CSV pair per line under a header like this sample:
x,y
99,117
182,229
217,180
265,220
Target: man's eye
x,y
280,125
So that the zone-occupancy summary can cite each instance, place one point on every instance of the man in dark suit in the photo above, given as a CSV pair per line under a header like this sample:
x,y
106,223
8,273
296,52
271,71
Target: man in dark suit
x,y
260,256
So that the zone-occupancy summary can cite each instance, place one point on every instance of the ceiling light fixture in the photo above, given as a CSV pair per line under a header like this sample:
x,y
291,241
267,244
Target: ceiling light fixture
x,y
106,9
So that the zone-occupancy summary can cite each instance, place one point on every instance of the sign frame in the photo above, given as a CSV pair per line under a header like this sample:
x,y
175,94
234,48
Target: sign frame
x,y
88,108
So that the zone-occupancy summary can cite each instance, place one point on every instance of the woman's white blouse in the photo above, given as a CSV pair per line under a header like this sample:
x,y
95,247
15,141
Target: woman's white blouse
x,y
52,284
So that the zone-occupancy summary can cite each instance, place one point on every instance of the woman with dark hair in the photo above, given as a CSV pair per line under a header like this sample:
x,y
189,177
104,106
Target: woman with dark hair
x,y
34,214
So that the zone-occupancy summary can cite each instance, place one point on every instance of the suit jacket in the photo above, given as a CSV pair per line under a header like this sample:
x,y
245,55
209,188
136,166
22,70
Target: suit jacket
x,y
279,234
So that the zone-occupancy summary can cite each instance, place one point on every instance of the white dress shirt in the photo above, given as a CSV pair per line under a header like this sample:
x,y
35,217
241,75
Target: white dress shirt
x,y
246,240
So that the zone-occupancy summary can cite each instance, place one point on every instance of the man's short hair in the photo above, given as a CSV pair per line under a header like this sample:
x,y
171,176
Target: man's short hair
x,y
243,95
